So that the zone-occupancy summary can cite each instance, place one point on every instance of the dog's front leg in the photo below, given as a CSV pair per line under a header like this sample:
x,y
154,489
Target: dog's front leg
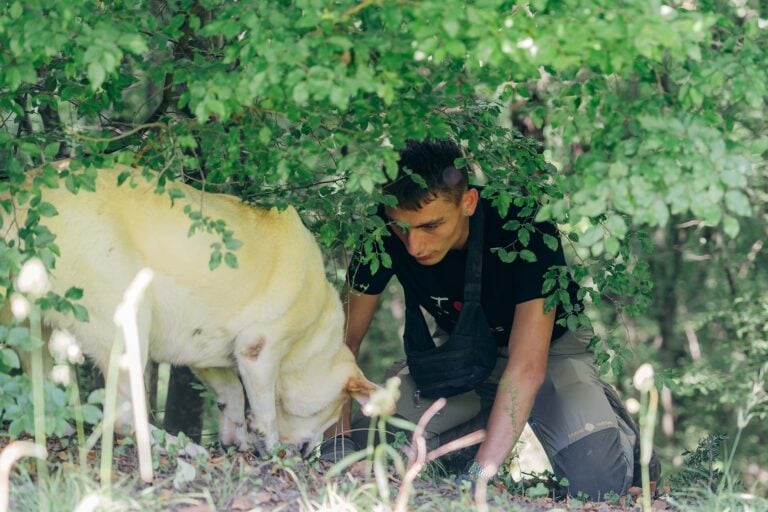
x,y
258,363
228,389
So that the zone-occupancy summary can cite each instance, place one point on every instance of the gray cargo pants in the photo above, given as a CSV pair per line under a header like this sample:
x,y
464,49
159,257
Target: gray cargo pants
x,y
579,420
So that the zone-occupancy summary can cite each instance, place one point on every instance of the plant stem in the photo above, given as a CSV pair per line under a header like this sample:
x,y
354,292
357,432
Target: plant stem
x,y
38,401
727,468
110,404
369,449
649,406
75,399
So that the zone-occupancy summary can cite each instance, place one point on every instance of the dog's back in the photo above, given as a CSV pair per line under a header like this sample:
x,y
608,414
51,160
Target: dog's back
x,y
107,236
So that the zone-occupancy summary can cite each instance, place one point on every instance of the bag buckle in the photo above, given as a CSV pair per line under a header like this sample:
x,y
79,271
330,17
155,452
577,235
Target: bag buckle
x,y
417,399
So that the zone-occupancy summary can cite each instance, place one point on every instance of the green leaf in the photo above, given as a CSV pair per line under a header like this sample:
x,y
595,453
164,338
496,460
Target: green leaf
x,y
13,77
539,491
18,336
528,255
386,260
591,236
51,150
611,245
300,93
215,260
96,75
504,255
134,43
47,210
231,260
97,396
91,414
122,177
451,26
74,293
524,236
80,313
16,10
375,265
10,358
737,202
617,365
232,244
265,135
175,193
731,226
552,242
616,225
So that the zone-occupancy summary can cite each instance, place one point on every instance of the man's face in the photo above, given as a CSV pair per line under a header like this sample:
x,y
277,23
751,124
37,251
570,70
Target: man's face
x,y
436,228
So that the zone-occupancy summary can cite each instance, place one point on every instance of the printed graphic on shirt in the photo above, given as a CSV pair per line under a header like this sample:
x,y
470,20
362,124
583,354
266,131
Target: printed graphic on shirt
x,y
439,302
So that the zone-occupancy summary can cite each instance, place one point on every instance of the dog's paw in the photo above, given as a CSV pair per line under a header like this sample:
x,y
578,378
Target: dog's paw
x,y
239,438
260,446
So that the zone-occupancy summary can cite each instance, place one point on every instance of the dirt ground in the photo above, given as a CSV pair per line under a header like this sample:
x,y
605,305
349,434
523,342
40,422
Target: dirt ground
x,y
244,482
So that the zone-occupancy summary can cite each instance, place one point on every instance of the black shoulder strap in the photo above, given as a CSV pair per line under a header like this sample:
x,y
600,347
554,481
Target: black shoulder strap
x,y
474,270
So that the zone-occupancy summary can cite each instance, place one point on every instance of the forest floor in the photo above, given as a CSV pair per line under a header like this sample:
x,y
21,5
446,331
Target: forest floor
x,y
243,482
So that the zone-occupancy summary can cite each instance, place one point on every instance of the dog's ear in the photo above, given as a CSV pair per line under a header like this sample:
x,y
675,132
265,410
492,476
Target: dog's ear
x,y
360,388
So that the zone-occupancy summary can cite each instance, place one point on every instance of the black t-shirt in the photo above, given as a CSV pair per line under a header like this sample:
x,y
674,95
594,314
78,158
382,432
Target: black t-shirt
x,y
439,288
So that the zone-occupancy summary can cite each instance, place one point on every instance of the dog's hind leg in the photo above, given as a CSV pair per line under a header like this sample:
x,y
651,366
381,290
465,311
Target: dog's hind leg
x,y
228,389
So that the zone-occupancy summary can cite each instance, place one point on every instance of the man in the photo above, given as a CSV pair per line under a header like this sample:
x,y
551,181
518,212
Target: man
x,y
506,361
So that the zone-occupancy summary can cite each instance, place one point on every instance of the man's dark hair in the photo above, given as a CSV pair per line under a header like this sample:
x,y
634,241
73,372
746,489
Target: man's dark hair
x,y
433,161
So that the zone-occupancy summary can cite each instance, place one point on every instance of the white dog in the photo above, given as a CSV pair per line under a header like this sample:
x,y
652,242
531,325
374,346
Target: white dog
x,y
275,319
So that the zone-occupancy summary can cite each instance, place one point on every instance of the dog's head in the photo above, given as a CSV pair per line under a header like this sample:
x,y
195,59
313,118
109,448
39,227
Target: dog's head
x,y
312,403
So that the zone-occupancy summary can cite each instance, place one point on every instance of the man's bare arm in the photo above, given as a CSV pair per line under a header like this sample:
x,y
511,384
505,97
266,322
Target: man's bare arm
x,y
359,309
520,382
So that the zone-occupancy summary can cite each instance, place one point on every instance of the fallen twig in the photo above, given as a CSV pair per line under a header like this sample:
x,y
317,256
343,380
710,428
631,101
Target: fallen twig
x,y
419,457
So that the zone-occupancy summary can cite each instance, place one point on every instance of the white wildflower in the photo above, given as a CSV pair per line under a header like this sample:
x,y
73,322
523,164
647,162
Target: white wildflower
x,y
419,55
58,345
384,400
633,406
75,354
643,379
60,374
20,306
509,22
761,23
666,10
33,278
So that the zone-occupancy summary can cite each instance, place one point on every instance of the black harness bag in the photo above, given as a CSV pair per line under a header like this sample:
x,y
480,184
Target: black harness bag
x,y
468,356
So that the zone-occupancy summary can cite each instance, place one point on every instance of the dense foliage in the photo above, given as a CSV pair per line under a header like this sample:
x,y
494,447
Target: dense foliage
x,y
638,126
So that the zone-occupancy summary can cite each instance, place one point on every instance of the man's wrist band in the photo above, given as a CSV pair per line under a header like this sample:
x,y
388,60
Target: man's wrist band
x,y
478,472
